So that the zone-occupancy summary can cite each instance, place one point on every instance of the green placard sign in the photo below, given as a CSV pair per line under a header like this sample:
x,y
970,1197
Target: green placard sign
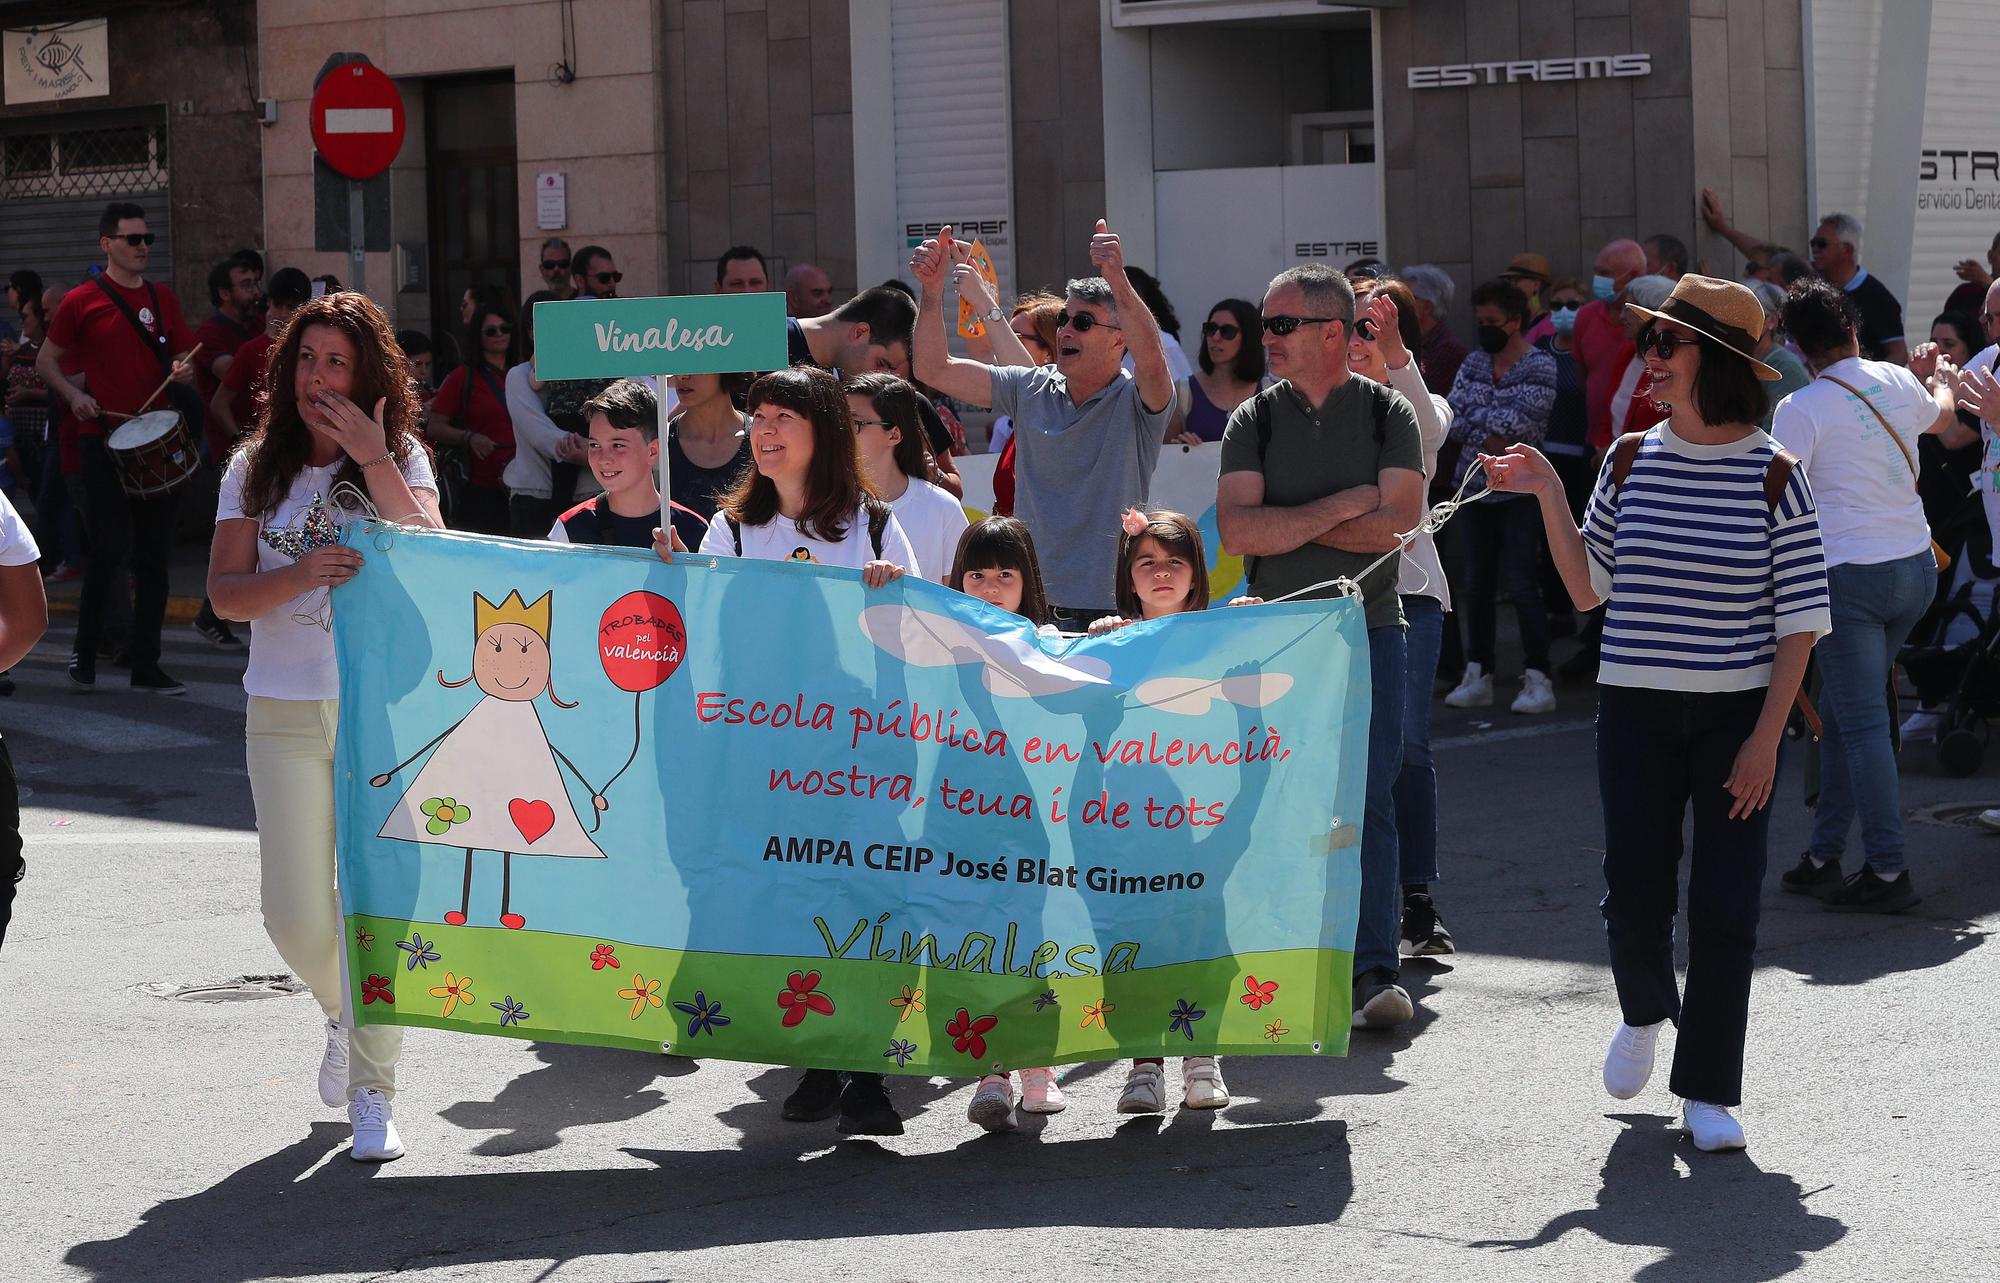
x,y
602,338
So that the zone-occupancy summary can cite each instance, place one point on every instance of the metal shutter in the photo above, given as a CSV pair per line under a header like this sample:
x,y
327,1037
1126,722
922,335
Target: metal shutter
x,y
58,172
954,154
58,238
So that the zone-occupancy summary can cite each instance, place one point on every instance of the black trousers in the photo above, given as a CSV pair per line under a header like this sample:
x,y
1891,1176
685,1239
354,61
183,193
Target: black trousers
x,y
1657,753
123,531
529,517
482,511
12,866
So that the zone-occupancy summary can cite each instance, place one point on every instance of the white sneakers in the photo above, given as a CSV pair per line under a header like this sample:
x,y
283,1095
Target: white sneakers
x,y
1145,1090
1711,1127
1040,1093
1474,690
1537,694
1201,1083
1628,1065
1989,819
992,1105
1922,724
333,1068
374,1119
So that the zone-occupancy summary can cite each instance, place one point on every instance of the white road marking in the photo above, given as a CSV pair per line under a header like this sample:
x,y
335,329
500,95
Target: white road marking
x,y
33,836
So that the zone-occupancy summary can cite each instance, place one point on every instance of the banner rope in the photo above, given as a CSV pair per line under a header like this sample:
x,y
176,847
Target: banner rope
x,y
1431,522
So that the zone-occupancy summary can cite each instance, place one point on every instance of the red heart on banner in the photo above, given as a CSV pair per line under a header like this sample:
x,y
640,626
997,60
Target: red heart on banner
x,y
534,819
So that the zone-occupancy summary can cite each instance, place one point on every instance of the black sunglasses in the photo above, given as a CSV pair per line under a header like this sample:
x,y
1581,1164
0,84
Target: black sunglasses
x,y
1210,330
607,278
494,331
1082,322
1365,327
1664,342
1819,242
134,239
1283,325
555,265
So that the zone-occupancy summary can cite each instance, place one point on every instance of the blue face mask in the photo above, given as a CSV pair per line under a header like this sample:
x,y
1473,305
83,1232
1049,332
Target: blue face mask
x,y
1563,319
1603,287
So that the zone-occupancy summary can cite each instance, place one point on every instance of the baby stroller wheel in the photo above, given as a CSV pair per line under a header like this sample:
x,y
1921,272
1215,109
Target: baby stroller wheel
x,y
1960,752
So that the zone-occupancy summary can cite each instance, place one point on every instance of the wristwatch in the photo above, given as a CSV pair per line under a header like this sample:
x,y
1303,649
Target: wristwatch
x,y
995,315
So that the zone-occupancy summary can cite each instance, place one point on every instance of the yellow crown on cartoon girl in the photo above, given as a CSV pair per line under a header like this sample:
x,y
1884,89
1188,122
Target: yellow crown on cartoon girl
x,y
513,609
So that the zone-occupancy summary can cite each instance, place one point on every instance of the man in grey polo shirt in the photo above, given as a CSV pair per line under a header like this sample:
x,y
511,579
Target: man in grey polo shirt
x,y
1086,431
1321,475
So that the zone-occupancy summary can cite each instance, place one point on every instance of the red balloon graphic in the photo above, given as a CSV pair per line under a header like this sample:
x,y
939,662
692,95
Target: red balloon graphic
x,y
641,640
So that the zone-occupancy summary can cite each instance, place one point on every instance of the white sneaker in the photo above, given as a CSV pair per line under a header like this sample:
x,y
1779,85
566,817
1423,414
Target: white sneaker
x,y
1537,695
1628,1065
1201,1083
992,1105
1922,724
1040,1093
1143,1092
1990,819
333,1068
374,1119
1711,1127
1475,689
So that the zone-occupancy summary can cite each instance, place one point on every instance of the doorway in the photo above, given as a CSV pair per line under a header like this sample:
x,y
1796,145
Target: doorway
x,y
474,221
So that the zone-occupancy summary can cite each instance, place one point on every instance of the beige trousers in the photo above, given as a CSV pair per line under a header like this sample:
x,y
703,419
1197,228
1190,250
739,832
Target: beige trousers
x,y
290,752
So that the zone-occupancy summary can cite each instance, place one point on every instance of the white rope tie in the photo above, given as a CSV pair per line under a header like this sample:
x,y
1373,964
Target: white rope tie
x,y
1431,522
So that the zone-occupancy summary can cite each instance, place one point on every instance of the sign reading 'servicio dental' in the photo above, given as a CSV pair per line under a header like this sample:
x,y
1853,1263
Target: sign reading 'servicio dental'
x,y
1611,66
605,338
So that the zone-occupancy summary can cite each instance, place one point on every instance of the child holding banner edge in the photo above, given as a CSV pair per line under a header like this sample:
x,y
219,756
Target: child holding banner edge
x,y
805,500
1702,539
276,556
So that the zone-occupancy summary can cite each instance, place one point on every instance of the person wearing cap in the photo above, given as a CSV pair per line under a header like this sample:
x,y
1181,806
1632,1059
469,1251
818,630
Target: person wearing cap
x,y
1856,428
1702,540
1530,274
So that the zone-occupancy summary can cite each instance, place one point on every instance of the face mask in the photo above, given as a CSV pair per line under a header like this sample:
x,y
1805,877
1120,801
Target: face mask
x,y
1603,287
1564,319
1492,338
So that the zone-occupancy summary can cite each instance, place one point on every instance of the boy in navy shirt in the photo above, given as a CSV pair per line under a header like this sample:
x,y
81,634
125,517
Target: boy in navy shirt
x,y
625,458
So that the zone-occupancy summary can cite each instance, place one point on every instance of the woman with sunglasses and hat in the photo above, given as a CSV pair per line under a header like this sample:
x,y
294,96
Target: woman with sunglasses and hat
x,y
470,409
1702,539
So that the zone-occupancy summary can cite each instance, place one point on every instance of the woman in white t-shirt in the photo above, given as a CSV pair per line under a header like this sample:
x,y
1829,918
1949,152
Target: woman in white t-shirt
x,y
1855,429
896,461
24,617
805,500
276,558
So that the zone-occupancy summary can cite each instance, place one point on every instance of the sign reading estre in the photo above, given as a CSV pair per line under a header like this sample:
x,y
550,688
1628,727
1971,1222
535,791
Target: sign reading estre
x,y
605,338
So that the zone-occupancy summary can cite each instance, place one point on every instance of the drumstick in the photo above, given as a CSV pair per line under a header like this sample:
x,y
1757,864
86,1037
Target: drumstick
x,y
163,385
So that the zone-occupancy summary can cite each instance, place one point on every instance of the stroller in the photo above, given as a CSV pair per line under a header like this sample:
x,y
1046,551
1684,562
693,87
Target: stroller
x,y
1956,669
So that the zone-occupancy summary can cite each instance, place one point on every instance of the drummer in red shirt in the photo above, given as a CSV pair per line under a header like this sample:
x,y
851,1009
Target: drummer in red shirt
x,y
470,409
126,334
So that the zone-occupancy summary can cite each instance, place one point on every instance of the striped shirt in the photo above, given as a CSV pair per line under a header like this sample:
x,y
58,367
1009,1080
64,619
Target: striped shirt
x,y
1701,577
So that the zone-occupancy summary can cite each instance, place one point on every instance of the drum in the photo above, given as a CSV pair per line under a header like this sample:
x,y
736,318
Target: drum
x,y
155,454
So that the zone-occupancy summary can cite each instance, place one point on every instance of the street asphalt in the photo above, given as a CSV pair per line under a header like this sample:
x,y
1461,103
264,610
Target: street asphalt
x,y
150,1136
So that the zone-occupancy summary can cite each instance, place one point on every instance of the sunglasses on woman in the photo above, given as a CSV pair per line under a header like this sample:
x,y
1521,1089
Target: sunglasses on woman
x,y
1210,330
1663,342
1283,325
1082,322
499,330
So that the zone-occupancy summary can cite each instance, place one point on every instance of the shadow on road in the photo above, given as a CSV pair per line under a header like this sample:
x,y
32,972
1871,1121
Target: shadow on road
x,y
306,1211
1727,1218
532,1111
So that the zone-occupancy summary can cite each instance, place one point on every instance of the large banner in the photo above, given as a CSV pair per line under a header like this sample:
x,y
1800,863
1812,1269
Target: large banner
x,y
757,811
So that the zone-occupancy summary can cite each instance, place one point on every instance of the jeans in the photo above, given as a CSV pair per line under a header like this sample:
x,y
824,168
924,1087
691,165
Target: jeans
x,y
1381,908
124,530
1417,782
1503,544
60,536
1874,609
1657,751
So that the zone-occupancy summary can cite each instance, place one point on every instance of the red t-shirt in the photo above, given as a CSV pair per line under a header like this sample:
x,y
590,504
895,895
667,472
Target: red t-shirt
x,y
1601,350
485,413
245,381
219,336
122,373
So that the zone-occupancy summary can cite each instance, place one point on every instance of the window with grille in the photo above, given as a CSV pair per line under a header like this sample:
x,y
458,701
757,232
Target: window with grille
x,y
83,160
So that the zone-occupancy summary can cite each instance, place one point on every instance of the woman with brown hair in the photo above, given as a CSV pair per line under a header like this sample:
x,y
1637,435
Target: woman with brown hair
x,y
276,557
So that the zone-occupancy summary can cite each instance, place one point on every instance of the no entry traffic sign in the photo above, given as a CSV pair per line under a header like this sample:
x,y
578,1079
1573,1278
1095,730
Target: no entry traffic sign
x,y
357,119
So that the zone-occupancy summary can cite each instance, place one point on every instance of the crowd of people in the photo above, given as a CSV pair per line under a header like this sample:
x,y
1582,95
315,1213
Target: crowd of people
x,y
1713,485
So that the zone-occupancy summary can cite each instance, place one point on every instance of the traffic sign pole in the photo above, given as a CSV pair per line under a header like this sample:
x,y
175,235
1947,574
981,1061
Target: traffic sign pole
x,y
357,128
357,251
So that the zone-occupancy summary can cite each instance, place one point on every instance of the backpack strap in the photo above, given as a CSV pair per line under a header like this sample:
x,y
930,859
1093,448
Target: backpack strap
x,y
155,343
735,534
1778,475
878,522
1385,397
1624,453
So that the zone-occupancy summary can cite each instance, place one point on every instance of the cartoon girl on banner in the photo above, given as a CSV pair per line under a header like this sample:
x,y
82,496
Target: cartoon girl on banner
x,y
493,783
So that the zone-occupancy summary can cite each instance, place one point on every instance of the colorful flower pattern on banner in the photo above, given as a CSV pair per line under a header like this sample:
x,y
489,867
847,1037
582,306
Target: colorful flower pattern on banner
x,y
968,1036
642,993
1258,995
800,995
376,989
454,991
704,1017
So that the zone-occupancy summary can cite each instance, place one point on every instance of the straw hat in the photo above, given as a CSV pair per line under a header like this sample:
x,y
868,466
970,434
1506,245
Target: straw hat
x,y
1532,266
1722,310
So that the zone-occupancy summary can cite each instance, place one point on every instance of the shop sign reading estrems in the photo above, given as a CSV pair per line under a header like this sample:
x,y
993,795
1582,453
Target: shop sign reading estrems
x,y
1592,67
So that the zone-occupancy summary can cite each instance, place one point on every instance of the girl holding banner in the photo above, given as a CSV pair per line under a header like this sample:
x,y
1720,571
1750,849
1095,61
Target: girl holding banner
x,y
275,558
889,438
805,500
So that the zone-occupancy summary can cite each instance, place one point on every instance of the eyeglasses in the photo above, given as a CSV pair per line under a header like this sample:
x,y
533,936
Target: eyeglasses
x,y
555,265
1210,330
883,424
1819,242
607,278
1664,342
498,330
1082,322
1283,325
134,239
